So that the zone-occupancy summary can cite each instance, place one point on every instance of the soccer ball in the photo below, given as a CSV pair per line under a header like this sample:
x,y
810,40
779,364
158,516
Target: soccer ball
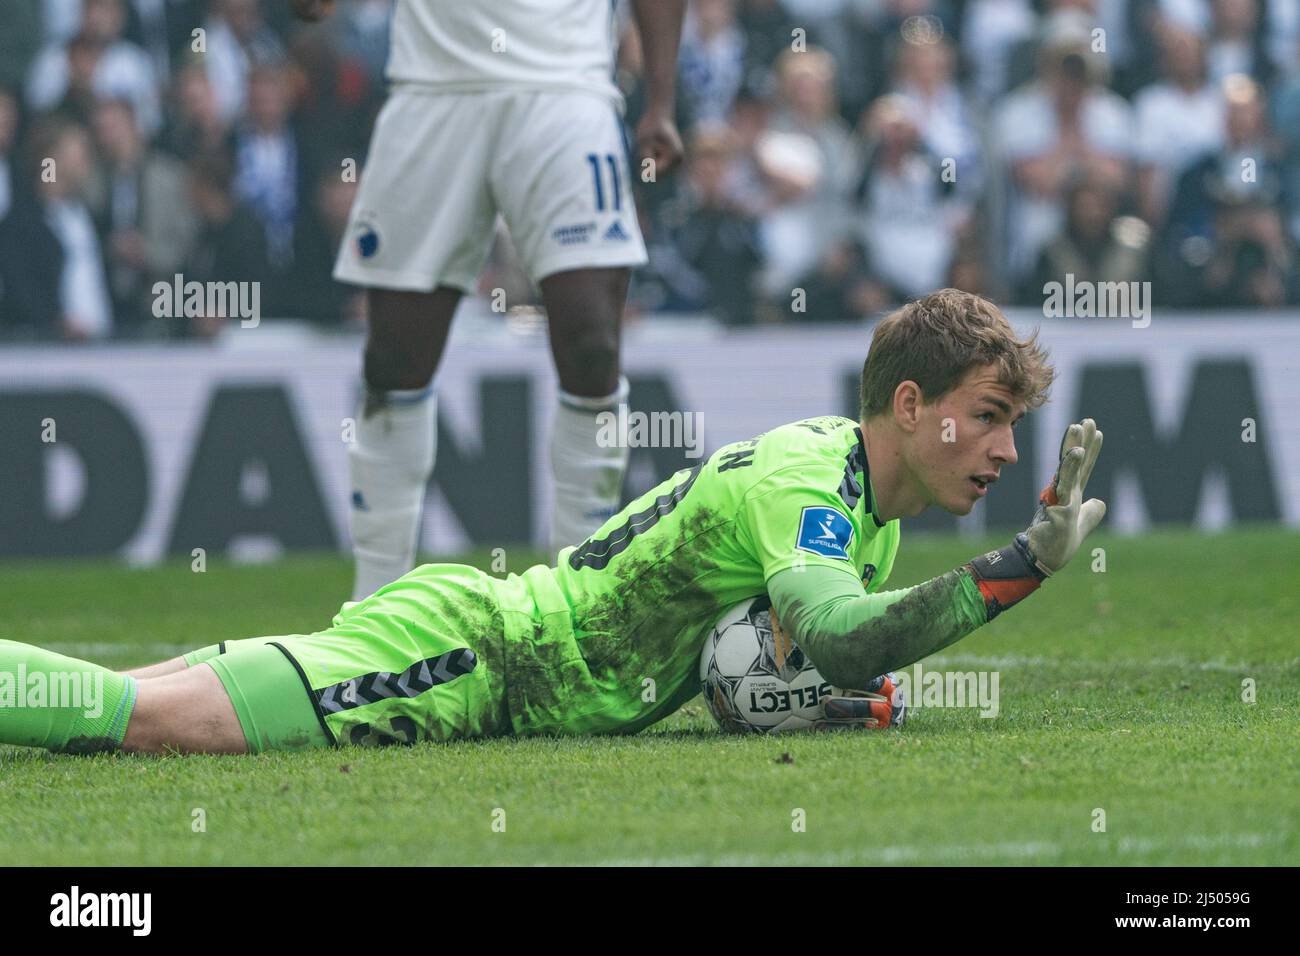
x,y
754,678
757,680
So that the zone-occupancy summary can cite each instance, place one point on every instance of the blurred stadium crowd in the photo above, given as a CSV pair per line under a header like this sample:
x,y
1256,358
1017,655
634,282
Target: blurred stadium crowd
x,y
842,155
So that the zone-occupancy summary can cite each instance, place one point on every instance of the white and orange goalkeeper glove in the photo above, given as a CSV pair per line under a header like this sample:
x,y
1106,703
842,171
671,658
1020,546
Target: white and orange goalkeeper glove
x,y
1063,519
880,704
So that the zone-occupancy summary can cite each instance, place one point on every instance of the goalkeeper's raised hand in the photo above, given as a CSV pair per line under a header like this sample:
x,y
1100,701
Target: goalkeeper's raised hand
x,y
1063,519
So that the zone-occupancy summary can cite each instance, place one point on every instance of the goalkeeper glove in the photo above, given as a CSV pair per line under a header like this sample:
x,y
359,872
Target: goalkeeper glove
x,y
1063,519
880,704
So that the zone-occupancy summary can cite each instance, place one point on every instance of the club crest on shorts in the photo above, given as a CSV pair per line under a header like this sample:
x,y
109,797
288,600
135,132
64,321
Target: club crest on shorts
x,y
824,531
367,239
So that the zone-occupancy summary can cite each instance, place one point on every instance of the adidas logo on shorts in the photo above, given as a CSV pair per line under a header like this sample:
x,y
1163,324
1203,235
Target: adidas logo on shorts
x,y
616,233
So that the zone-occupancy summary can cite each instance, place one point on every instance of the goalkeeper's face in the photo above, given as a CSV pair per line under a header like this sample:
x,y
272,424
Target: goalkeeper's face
x,y
963,440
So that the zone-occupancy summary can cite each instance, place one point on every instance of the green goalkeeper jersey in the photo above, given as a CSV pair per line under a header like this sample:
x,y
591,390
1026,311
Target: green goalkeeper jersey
x,y
609,639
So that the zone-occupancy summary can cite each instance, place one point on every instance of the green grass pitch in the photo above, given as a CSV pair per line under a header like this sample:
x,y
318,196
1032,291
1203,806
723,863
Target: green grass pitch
x,y
1120,691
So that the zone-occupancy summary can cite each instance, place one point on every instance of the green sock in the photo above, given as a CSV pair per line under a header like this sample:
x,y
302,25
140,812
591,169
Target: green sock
x,y
60,703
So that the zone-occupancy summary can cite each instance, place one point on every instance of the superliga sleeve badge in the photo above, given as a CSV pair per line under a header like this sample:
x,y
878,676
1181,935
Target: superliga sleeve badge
x,y
825,531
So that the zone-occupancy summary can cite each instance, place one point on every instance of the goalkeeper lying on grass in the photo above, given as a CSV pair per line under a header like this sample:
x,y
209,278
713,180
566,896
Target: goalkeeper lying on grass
x,y
807,512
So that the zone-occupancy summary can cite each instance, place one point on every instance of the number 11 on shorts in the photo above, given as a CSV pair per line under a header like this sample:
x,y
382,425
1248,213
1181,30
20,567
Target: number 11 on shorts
x,y
594,161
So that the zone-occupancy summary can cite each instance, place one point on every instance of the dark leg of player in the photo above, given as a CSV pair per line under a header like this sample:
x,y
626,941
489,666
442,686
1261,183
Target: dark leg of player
x,y
585,310
392,457
407,333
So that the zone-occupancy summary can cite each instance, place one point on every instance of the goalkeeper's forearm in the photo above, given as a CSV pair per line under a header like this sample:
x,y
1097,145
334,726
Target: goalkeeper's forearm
x,y
852,637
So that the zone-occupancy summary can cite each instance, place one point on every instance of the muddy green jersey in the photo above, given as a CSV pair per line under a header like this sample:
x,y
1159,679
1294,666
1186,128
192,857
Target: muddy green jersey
x,y
609,639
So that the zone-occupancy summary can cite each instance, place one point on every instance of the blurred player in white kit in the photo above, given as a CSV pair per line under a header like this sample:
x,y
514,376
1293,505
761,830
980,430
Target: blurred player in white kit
x,y
497,106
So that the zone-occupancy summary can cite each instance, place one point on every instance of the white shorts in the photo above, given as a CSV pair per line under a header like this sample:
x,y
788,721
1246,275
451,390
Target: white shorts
x,y
441,166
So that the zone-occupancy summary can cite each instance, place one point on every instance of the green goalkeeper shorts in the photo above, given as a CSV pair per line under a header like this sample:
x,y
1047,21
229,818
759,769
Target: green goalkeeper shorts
x,y
420,659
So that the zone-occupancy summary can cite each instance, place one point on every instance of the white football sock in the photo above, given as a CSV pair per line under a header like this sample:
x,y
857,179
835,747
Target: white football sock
x,y
390,462
588,474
